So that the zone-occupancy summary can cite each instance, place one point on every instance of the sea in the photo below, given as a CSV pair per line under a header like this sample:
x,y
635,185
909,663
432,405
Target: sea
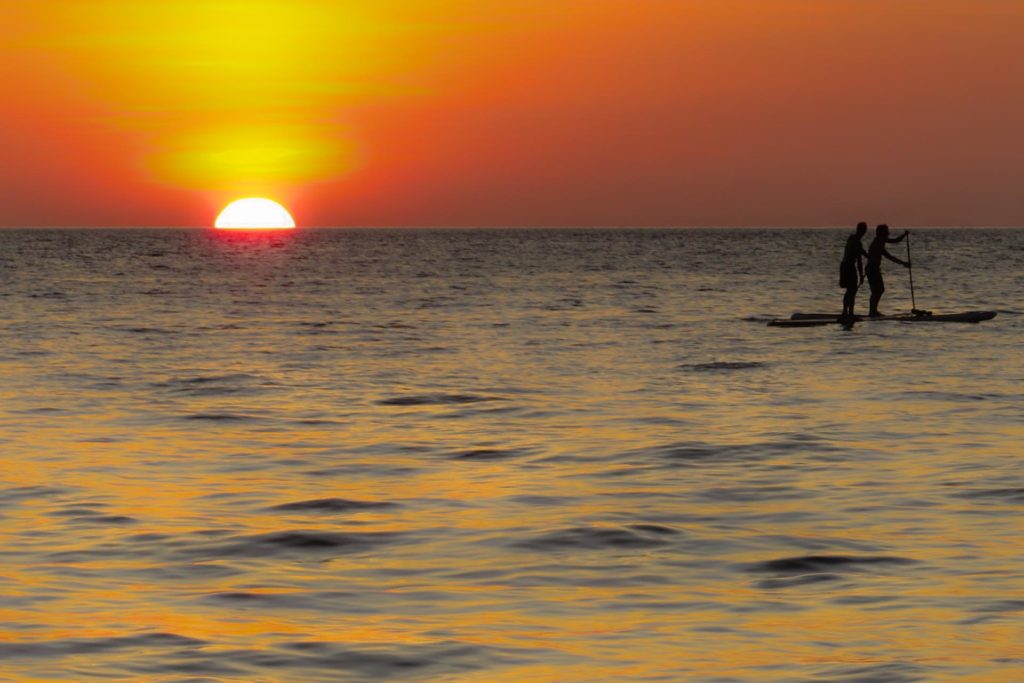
x,y
506,456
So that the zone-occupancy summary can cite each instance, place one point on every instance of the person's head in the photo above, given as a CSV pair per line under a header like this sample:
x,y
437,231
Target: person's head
x,y
882,230
862,228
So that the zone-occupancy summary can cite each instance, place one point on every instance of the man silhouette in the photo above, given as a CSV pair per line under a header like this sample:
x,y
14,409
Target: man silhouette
x,y
851,269
874,268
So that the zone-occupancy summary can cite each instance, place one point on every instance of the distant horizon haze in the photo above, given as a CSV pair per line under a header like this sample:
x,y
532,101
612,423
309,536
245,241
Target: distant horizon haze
x,y
499,228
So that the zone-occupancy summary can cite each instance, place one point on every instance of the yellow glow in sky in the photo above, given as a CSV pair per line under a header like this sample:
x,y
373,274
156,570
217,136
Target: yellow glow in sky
x,y
253,158
537,112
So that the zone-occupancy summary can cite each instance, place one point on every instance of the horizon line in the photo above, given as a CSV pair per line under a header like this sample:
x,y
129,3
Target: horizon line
x,y
513,227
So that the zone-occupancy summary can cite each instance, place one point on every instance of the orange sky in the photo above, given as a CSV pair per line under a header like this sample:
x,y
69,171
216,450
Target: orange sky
x,y
534,112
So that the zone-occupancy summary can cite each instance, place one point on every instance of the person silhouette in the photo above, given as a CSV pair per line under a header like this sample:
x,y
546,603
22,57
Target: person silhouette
x,y
874,268
851,269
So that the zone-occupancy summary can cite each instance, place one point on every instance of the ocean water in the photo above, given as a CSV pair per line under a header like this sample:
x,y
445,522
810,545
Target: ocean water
x,y
507,455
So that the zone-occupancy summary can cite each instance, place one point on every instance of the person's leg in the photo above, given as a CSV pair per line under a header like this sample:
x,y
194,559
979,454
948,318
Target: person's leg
x,y
848,300
877,287
876,296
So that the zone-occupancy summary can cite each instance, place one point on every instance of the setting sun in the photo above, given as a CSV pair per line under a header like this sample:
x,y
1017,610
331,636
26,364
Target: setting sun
x,y
254,213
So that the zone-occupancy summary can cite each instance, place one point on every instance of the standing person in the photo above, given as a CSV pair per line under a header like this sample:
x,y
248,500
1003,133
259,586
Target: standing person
x,y
874,268
851,269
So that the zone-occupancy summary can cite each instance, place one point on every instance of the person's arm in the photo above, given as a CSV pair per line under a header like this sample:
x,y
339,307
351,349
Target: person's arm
x,y
860,267
886,254
902,237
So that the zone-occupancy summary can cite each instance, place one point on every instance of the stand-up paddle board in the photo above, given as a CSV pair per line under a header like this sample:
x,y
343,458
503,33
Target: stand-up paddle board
x,y
813,319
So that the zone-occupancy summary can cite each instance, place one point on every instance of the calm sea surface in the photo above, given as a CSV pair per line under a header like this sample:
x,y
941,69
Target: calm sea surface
x,y
505,456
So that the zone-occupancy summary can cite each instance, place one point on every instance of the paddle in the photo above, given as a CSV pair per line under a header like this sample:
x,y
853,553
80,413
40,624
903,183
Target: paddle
x,y
910,269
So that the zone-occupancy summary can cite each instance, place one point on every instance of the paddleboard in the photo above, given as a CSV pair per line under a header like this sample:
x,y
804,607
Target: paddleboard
x,y
813,319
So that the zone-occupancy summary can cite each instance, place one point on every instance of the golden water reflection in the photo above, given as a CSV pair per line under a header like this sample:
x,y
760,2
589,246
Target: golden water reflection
x,y
558,498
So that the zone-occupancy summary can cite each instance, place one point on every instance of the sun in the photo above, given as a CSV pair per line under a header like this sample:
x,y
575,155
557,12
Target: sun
x,y
254,214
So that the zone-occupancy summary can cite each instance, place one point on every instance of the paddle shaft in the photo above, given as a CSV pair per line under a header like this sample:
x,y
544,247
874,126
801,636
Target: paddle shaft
x,y
910,268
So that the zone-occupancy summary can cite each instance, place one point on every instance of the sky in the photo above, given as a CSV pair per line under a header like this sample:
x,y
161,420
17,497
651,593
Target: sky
x,y
525,113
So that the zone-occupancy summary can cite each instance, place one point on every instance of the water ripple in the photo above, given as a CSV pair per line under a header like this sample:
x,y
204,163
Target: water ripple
x,y
331,505
636,537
